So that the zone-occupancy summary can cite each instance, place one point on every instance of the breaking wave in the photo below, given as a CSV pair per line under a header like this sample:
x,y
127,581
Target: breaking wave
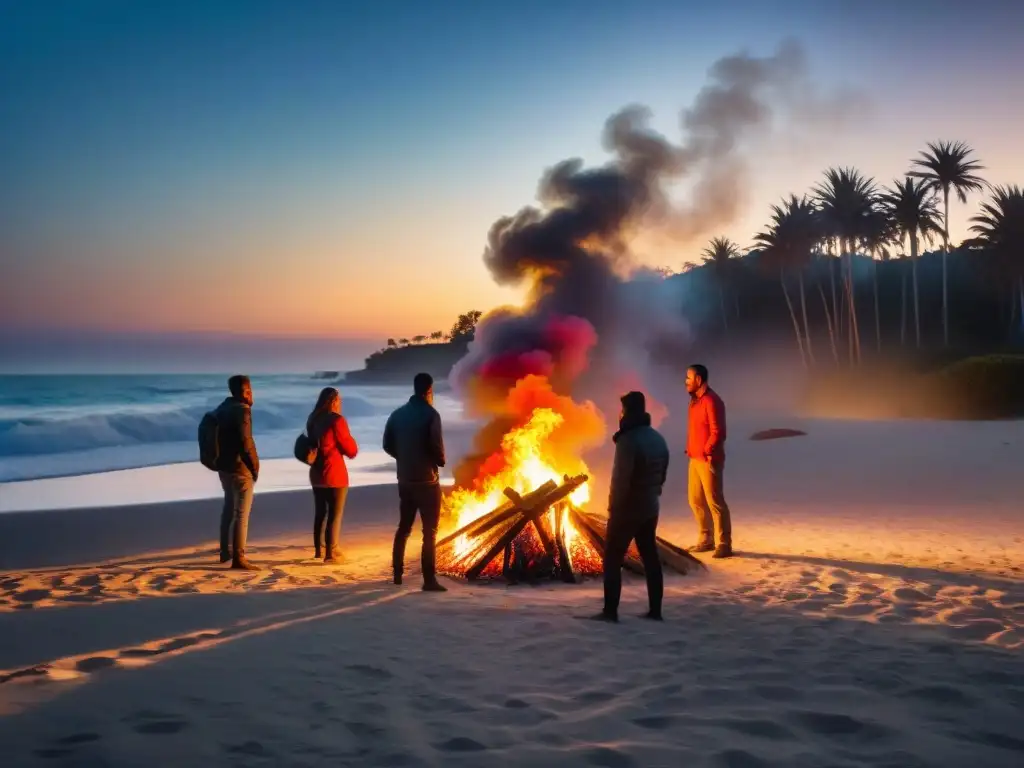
x,y
132,426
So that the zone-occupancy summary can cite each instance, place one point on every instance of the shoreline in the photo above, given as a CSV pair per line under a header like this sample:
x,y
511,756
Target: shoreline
x,y
866,564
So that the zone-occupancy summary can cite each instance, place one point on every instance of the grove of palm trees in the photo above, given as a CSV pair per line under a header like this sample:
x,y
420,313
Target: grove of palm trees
x,y
861,271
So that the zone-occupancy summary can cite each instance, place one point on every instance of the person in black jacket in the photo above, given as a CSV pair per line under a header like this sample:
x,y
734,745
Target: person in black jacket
x,y
238,465
634,502
412,436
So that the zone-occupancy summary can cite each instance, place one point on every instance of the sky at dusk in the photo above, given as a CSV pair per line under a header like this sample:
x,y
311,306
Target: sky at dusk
x,y
329,170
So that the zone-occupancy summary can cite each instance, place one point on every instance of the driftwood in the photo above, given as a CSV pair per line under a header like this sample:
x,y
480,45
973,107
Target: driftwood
x,y
503,512
671,556
529,508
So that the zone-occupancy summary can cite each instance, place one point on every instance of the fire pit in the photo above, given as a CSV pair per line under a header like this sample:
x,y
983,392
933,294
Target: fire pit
x,y
540,535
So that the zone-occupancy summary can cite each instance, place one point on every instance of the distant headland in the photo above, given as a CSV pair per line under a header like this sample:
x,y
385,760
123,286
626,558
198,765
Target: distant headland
x,y
435,353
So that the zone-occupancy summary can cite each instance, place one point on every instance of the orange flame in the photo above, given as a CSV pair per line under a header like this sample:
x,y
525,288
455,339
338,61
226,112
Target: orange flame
x,y
546,446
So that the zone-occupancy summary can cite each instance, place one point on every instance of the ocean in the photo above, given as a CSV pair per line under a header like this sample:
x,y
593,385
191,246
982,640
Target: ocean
x,y
58,426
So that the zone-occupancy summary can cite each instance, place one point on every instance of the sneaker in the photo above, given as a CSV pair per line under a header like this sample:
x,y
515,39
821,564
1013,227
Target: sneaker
x,y
610,618
706,546
244,565
722,551
433,586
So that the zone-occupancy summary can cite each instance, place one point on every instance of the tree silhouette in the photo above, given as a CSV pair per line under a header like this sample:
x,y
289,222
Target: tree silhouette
x,y
913,210
944,166
788,244
437,335
466,323
999,230
392,343
720,255
404,342
846,199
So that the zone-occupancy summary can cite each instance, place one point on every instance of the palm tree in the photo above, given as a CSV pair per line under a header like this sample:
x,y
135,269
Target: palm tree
x,y
944,166
789,243
846,199
914,212
719,256
878,234
1000,231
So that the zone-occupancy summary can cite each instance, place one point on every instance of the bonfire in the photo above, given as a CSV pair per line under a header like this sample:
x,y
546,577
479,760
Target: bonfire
x,y
525,520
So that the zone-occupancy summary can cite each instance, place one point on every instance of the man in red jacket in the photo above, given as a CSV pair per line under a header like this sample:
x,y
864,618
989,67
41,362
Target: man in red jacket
x,y
705,446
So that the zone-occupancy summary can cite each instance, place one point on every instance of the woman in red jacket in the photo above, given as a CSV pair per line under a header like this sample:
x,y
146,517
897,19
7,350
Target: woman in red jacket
x,y
328,430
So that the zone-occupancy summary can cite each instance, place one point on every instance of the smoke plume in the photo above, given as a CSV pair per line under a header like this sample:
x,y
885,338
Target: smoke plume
x,y
594,322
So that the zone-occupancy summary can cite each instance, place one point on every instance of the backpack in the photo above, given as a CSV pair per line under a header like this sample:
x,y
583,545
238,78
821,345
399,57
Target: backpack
x,y
209,441
305,449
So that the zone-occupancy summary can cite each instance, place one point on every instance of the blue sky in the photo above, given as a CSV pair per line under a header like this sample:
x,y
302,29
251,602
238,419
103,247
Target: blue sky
x,y
337,165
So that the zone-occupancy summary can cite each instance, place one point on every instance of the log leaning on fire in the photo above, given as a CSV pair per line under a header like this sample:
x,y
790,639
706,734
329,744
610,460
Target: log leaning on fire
x,y
671,556
529,508
499,515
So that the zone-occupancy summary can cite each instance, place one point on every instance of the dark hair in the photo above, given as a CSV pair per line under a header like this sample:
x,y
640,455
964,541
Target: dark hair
x,y
634,402
327,394
235,384
422,384
701,371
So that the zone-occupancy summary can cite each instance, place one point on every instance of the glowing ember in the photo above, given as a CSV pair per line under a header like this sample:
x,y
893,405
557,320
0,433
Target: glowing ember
x,y
525,462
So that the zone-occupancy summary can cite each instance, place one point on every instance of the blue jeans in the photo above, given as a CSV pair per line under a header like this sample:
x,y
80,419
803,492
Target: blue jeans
x,y
238,491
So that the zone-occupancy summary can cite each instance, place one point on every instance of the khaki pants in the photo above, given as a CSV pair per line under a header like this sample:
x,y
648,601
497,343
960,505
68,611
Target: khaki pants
x,y
707,500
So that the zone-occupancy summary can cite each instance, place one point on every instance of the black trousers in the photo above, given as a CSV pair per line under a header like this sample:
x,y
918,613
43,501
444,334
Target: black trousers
x,y
329,508
622,532
424,498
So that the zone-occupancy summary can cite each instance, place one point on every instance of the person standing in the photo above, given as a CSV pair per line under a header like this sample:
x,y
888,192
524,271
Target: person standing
x,y
705,447
238,465
412,436
634,502
328,475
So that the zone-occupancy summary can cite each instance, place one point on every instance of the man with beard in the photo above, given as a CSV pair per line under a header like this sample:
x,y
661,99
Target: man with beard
x,y
705,446
634,502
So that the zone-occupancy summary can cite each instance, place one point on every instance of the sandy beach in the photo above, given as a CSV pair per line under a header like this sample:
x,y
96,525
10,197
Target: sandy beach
x,y
874,617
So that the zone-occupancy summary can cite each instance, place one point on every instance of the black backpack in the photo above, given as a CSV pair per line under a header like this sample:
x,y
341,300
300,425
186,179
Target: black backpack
x,y
305,449
209,441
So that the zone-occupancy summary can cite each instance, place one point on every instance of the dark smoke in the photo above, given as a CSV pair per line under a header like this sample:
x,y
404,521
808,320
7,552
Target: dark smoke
x,y
573,250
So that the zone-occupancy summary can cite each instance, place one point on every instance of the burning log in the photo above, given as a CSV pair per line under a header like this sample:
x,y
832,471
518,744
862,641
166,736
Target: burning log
x,y
529,508
497,517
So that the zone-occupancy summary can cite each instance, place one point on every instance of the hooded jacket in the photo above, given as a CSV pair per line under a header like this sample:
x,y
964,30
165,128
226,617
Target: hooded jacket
x,y
639,470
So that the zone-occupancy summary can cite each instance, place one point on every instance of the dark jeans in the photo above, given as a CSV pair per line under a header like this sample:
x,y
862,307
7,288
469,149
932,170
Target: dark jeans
x,y
329,506
424,498
621,532
238,490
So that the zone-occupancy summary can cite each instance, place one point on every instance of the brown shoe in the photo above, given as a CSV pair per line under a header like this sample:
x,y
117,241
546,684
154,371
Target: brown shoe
x,y
722,551
705,546
242,564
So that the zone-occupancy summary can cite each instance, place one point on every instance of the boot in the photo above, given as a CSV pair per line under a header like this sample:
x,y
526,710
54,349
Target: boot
x,y
611,618
434,586
225,556
704,546
317,552
723,551
240,563
333,557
